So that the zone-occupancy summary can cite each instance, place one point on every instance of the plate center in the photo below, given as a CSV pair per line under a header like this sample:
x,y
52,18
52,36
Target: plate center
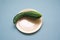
x,y
26,23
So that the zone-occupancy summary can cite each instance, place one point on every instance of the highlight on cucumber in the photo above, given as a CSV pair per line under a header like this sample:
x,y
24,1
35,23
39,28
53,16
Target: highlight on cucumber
x,y
34,14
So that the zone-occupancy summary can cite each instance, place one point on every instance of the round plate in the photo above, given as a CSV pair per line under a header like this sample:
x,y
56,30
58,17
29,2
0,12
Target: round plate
x,y
29,25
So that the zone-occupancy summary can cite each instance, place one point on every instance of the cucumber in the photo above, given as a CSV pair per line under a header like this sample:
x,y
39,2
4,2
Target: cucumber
x,y
31,14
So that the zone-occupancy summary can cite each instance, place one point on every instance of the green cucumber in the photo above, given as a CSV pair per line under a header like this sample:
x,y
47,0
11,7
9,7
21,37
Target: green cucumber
x,y
31,14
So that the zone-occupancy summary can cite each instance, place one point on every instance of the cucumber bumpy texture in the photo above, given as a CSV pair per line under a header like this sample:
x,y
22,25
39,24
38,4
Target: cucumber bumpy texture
x,y
31,14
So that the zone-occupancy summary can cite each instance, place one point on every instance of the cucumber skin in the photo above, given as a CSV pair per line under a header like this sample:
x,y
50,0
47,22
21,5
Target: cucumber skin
x,y
31,14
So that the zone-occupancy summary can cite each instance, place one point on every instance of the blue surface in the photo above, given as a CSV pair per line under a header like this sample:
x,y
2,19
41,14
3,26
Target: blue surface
x,y
50,10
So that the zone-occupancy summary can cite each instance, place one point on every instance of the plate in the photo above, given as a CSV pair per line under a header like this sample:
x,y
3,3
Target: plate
x,y
29,25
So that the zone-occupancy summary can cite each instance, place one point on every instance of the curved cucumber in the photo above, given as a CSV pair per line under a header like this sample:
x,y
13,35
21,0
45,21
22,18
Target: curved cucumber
x,y
31,14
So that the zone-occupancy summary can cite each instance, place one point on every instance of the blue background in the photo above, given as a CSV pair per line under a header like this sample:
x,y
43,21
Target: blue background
x,y
50,10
